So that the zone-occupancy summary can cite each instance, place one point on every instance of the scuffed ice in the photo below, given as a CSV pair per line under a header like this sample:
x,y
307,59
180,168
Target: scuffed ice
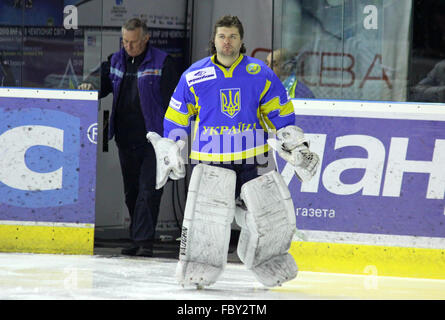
x,y
45,276
69,277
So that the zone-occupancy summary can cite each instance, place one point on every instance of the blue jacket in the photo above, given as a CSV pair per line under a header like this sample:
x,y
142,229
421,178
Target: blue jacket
x,y
149,78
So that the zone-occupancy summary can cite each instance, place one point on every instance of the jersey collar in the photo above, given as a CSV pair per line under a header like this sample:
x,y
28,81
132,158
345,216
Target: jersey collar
x,y
227,73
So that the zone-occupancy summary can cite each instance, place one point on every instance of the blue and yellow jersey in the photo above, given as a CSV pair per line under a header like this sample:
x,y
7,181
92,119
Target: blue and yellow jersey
x,y
233,109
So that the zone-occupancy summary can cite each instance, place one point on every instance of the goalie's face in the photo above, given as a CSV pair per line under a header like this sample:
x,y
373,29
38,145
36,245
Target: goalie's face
x,y
228,42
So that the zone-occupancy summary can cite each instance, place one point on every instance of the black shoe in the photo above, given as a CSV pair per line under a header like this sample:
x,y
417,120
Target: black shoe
x,y
130,251
145,252
145,248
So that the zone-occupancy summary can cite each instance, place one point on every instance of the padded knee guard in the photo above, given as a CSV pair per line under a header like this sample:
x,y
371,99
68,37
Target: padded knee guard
x,y
206,227
267,229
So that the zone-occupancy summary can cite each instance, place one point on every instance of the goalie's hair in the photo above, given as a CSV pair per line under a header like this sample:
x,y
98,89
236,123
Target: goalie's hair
x,y
228,22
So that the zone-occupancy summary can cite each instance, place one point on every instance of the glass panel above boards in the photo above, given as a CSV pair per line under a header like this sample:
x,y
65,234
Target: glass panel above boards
x,y
380,50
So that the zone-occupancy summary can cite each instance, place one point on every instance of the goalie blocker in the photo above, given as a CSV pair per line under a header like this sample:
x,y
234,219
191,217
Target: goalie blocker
x,y
293,147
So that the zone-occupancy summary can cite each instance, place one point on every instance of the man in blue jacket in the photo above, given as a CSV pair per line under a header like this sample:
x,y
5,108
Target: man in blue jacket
x,y
142,79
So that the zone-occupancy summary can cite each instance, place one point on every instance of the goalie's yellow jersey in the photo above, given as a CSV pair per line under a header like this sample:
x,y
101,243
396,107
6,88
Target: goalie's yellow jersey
x,y
232,109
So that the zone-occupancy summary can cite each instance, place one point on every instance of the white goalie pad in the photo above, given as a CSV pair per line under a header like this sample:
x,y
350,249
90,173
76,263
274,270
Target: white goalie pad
x,y
293,147
206,227
169,163
267,229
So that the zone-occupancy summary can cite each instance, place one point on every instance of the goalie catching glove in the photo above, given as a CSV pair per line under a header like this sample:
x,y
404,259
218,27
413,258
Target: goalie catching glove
x,y
294,148
169,163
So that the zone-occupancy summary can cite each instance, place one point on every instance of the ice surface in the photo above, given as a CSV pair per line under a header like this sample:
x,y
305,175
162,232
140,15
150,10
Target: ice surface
x,y
45,276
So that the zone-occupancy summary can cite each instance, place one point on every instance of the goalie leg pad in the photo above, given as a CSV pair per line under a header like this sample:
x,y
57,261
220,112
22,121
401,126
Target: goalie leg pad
x,y
276,271
208,215
269,226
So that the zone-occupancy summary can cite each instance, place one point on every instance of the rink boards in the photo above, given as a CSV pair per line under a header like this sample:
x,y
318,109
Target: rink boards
x,y
376,206
48,170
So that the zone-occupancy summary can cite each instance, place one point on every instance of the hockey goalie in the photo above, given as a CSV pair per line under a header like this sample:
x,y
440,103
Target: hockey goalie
x,y
235,101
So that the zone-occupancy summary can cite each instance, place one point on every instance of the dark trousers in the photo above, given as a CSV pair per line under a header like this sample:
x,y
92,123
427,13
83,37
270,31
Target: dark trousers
x,y
138,167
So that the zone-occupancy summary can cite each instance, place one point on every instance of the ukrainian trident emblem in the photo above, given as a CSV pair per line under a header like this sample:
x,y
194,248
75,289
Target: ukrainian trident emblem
x,y
230,101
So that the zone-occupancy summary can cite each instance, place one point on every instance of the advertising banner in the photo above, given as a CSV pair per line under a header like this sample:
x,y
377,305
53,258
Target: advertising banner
x,y
47,159
31,13
169,15
48,57
381,177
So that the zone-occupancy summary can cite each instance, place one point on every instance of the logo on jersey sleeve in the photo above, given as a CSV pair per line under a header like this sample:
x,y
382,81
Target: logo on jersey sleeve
x,y
175,103
253,68
230,101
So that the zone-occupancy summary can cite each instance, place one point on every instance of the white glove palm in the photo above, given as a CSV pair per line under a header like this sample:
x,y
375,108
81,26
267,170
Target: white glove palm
x,y
168,158
294,148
